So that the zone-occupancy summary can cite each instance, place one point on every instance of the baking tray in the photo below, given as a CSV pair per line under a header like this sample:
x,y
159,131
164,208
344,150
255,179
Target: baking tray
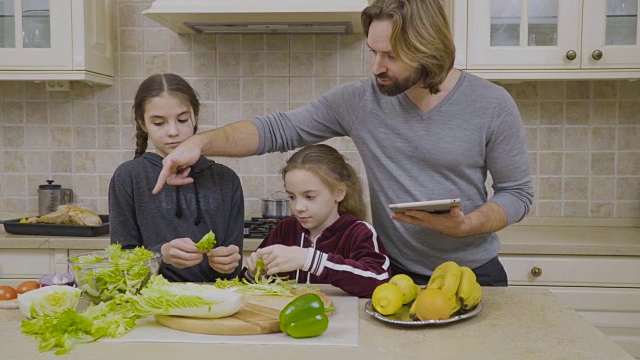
x,y
14,226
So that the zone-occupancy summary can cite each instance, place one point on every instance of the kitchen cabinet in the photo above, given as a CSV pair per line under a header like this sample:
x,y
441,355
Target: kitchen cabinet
x,y
605,290
56,40
18,265
457,13
551,39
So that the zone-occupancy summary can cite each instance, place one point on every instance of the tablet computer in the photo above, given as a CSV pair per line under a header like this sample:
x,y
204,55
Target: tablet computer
x,y
433,206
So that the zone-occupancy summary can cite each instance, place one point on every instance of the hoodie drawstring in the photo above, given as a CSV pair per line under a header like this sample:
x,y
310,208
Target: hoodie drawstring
x,y
198,209
198,219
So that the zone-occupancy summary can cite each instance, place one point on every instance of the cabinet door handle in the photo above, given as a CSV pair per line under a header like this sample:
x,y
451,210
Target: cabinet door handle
x,y
597,55
572,54
536,271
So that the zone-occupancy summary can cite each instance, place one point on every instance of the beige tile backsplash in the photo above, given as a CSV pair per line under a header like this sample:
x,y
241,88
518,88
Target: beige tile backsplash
x,y
583,137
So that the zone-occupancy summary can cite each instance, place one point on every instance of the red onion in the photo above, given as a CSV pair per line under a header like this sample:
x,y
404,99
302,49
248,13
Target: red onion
x,y
58,279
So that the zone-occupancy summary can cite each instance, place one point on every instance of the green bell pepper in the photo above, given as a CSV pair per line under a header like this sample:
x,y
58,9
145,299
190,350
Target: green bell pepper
x,y
305,316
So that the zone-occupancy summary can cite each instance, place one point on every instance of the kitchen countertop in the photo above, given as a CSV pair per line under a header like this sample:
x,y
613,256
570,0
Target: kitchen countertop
x,y
516,323
533,237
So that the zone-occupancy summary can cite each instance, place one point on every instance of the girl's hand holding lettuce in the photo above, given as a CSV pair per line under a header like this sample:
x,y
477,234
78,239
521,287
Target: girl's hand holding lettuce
x,y
207,242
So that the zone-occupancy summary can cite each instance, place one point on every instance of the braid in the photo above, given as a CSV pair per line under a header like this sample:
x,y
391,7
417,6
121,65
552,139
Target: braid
x,y
141,140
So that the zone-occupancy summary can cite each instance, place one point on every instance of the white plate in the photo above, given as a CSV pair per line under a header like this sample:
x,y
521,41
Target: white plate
x,y
9,304
402,317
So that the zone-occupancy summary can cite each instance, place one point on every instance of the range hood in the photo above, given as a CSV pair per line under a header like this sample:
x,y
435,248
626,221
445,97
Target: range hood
x,y
258,16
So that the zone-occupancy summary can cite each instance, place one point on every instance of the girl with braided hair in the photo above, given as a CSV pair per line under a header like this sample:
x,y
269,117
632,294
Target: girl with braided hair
x,y
165,112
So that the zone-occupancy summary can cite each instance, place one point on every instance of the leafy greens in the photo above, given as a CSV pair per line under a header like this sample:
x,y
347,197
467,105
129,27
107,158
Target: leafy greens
x,y
207,242
162,297
61,331
104,274
48,300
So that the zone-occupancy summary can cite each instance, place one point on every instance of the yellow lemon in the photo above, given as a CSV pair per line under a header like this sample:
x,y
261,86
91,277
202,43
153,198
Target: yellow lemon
x,y
406,285
387,299
432,304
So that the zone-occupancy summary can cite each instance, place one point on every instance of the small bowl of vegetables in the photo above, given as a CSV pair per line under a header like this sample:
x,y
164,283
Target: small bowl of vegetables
x,y
101,275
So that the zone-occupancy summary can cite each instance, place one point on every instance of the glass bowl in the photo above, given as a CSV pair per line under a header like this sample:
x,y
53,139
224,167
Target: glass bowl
x,y
101,276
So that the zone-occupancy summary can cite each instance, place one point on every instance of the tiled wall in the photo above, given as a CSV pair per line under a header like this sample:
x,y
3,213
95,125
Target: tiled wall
x,y
583,139
583,136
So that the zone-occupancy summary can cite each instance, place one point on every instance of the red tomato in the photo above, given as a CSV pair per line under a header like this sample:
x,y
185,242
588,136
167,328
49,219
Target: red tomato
x,y
27,286
7,293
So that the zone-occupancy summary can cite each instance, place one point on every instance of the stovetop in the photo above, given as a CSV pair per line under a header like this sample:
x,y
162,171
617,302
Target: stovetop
x,y
259,227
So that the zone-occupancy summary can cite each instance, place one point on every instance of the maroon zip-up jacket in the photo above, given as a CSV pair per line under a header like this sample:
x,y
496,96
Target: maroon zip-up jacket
x,y
348,254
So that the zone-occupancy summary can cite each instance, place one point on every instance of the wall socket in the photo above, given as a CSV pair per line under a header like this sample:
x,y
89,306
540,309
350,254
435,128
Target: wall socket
x,y
57,85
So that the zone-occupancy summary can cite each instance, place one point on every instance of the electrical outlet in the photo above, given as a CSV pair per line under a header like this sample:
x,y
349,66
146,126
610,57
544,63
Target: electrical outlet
x,y
57,85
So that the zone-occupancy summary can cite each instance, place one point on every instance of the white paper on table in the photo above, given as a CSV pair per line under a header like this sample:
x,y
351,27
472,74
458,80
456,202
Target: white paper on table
x,y
343,330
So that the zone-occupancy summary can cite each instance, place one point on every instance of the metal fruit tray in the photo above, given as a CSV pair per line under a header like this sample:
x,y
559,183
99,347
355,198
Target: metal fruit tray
x,y
14,226
402,317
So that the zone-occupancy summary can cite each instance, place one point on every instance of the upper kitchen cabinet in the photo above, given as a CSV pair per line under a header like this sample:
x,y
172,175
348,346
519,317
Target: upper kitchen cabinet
x,y
457,14
553,39
56,40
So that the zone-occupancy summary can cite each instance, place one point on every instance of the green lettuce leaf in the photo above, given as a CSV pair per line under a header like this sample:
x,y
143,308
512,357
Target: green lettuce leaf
x,y
259,268
207,242
61,331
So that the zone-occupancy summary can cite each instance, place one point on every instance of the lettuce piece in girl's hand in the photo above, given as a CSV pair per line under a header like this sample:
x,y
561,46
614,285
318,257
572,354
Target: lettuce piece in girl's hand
x,y
207,242
259,268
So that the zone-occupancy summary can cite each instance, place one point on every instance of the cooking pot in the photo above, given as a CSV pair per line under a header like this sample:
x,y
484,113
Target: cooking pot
x,y
277,206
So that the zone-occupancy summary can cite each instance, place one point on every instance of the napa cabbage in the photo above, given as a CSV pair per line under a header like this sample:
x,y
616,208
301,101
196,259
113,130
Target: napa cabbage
x,y
48,300
161,297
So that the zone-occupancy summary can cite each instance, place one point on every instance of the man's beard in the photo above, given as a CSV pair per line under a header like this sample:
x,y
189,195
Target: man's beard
x,y
398,86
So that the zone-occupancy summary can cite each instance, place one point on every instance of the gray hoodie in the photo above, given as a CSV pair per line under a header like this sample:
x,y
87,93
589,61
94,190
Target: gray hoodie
x,y
213,202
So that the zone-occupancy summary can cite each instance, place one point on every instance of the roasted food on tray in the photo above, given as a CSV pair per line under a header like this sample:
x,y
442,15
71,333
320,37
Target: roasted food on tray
x,y
67,215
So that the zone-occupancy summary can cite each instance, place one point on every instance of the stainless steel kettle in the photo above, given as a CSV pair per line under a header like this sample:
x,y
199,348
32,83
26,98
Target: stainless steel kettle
x,y
50,196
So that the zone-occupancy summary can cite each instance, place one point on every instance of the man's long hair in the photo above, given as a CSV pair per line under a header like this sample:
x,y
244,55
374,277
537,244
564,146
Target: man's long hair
x,y
420,36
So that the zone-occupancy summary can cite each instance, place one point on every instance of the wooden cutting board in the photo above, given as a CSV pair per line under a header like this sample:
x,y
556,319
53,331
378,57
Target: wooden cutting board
x,y
259,316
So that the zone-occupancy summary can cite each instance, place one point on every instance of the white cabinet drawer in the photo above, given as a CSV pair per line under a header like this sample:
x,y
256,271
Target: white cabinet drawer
x,y
606,271
26,263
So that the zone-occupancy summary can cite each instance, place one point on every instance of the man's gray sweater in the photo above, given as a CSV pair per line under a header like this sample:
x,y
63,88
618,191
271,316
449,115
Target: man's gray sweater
x,y
410,155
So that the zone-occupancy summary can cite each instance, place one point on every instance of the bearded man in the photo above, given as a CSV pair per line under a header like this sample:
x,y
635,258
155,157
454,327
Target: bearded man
x,y
424,131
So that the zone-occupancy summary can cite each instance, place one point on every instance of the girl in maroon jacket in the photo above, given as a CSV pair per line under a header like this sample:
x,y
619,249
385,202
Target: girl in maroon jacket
x,y
326,242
